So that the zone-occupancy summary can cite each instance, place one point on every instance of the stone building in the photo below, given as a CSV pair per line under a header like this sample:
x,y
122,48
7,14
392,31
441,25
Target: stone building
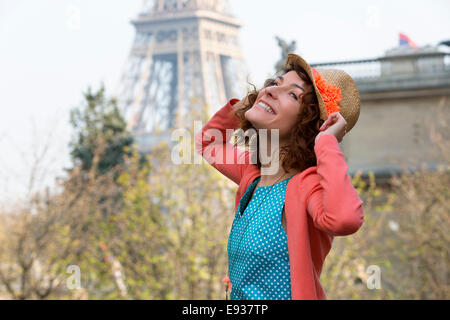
x,y
186,54
402,94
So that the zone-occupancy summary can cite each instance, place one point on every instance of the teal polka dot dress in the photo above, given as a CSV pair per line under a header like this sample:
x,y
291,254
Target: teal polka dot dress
x,y
259,266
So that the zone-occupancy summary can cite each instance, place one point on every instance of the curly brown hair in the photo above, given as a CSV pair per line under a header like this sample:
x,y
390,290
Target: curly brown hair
x,y
299,153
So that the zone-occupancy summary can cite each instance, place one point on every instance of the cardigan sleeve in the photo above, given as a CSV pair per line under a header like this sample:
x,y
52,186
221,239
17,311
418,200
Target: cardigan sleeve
x,y
212,143
333,203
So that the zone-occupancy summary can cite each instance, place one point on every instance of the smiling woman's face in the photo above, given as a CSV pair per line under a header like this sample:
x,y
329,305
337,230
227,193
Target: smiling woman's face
x,y
283,97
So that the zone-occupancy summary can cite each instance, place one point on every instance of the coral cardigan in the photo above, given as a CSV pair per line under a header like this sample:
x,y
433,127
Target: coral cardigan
x,y
320,201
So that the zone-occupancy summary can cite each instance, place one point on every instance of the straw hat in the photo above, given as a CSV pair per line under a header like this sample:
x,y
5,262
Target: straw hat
x,y
335,90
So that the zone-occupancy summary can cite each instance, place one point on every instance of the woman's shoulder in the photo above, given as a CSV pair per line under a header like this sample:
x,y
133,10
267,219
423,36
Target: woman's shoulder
x,y
305,180
308,175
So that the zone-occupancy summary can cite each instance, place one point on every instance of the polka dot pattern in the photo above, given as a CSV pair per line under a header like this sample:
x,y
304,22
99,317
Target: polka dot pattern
x,y
259,266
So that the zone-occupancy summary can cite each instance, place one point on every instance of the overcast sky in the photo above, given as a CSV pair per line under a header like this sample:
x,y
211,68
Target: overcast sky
x,y
48,56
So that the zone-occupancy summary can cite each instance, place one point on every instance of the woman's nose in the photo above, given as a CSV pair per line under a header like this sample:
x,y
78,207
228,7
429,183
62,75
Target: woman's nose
x,y
270,91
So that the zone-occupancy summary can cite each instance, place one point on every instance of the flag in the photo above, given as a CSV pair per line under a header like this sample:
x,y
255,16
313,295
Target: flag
x,y
404,40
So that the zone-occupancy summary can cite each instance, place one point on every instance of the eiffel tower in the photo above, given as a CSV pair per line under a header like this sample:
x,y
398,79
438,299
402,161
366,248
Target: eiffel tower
x,y
185,54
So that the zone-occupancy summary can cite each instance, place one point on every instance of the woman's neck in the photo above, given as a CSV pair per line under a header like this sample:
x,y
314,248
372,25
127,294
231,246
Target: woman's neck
x,y
273,171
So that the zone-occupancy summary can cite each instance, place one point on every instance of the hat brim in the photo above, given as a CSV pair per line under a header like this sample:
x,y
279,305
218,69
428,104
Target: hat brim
x,y
295,60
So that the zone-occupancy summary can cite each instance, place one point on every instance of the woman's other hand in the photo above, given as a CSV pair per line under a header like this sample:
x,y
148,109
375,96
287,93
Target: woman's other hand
x,y
335,125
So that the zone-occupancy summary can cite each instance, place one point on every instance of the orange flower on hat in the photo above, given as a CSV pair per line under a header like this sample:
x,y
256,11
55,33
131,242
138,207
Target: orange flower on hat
x,y
330,93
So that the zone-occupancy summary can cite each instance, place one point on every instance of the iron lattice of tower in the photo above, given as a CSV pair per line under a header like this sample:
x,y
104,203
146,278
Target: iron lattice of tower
x,y
185,55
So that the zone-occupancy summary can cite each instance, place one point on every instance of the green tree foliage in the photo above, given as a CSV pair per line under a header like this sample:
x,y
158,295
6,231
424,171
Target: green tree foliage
x,y
99,124
405,233
148,228
170,236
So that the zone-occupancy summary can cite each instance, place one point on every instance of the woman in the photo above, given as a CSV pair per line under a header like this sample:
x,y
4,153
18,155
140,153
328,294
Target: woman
x,y
285,221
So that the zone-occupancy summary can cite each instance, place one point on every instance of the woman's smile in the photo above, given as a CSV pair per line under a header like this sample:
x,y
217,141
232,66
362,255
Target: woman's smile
x,y
265,108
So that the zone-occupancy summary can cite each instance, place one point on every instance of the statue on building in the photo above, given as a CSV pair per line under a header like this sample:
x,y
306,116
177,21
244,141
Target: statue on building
x,y
285,50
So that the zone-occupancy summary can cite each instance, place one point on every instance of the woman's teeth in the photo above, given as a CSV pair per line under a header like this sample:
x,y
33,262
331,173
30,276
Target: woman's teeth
x,y
265,107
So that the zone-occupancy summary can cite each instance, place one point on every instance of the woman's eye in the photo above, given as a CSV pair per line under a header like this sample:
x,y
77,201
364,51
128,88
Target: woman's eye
x,y
292,94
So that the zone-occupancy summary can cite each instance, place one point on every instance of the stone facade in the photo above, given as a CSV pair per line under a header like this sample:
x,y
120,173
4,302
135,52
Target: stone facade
x,y
402,94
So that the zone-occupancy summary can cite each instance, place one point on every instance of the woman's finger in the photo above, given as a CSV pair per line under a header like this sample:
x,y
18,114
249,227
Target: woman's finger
x,y
325,124
332,119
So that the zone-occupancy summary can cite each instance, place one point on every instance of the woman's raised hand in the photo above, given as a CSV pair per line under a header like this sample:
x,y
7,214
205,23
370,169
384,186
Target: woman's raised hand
x,y
335,125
